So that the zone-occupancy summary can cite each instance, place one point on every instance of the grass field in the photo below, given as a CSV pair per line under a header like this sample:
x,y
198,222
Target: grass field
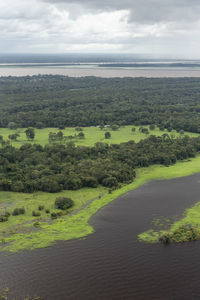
x,y
92,135
19,234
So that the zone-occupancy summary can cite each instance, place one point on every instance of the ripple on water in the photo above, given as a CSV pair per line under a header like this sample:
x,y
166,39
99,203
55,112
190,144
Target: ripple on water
x,y
111,263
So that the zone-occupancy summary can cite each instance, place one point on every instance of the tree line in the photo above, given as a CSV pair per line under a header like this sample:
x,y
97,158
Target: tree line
x,y
57,167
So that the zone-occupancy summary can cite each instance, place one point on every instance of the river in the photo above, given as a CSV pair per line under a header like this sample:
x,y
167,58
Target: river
x,y
111,264
100,72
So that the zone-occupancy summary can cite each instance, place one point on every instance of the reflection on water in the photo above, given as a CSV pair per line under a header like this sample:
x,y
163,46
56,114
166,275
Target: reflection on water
x,y
111,263
100,72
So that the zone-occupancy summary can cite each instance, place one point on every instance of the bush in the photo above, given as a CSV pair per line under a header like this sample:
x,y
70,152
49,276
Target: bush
x,y
107,135
54,215
60,214
47,211
36,213
7,214
40,207
18,211
152,127
36,224
63,203
22,211
3,218
110,182
81,135
183,233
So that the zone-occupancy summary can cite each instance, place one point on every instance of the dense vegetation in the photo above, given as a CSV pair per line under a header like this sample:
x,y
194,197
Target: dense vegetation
x,y
59,101
56,167
184,233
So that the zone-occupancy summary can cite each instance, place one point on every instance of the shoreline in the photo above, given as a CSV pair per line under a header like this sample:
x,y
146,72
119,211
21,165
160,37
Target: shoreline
x,y
77,225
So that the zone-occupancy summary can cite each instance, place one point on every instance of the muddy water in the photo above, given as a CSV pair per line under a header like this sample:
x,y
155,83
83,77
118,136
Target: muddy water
x,y
111,264
101,72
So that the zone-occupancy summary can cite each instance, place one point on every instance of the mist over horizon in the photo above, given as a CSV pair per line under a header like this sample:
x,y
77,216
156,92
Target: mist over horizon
x,y
9,58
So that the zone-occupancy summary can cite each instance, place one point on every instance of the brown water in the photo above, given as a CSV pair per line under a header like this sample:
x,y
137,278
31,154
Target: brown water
x,y
101,72
111,264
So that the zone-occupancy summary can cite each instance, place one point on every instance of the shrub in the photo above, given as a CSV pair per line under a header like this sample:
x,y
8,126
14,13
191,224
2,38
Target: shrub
x,y
40,207
36,224
107,135
59,214
81,135
109,182
7,214
15,212
152,127
22,211
54,215
63,203
18,211
36,213
47,211
3,218
79,129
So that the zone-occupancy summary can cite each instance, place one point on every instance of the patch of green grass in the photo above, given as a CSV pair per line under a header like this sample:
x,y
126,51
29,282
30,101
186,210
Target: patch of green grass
x,y
92,135
76,225
31,202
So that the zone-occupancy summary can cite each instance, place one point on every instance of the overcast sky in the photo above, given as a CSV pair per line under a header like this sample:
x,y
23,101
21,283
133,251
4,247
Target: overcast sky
x,y
160,27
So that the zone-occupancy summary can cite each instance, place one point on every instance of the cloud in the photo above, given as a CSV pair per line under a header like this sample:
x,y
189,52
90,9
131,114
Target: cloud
x,y
143,11
145,26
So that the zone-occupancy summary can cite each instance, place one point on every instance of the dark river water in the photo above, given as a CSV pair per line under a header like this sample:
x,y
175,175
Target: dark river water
x,y
111,264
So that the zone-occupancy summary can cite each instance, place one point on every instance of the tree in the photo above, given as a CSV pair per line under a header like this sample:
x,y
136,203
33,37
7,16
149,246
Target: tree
x,y
12,125
60,135
152,127
1,139
114,127
30,133
63,203
13,136
79,129
110,182
81,135
107,135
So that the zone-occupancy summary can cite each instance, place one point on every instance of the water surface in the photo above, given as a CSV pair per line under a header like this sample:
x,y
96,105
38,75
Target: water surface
x,y
111,263
78,71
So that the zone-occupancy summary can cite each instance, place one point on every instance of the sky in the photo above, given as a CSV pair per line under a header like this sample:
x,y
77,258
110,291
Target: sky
x,y
159,27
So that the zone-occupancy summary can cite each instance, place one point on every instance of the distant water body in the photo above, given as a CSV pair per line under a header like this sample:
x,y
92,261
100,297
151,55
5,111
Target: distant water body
x,y
92,70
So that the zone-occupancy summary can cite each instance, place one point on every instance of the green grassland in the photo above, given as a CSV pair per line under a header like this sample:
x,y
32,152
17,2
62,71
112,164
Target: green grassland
x,y
92,135
19,232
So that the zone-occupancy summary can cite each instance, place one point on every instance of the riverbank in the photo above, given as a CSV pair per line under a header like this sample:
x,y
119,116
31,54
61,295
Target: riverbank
x,y
186,229
77,225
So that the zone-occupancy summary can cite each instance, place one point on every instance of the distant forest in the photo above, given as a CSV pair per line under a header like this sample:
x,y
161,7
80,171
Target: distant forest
x,y
60,101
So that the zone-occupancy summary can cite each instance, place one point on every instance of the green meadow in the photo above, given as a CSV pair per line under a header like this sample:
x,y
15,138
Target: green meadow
x,y
92,135
29,232
19,232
